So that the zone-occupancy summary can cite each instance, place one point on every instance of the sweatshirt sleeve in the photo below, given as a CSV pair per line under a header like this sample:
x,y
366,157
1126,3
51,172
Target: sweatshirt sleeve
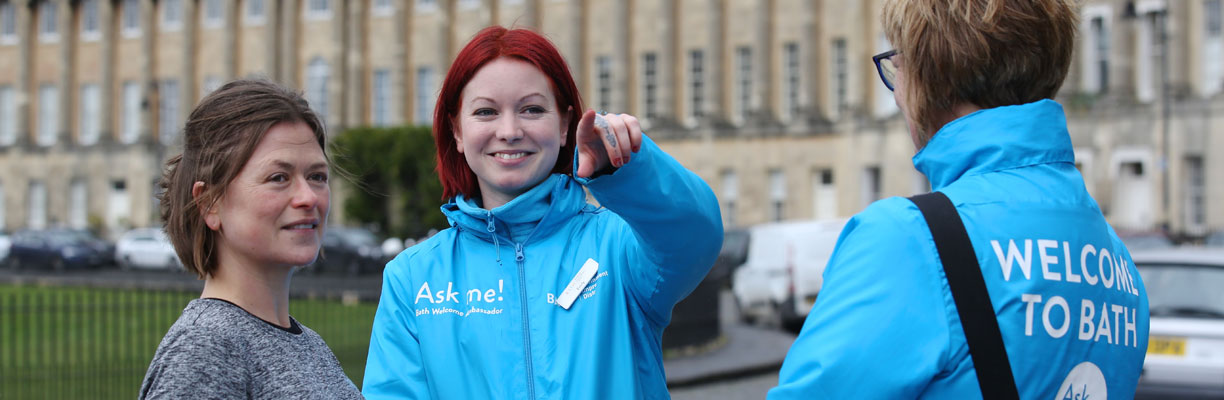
x,y
394,366
880,323
197,362
675,223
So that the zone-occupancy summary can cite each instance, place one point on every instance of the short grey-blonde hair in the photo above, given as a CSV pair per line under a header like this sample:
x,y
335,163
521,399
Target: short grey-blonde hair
x,y
988,53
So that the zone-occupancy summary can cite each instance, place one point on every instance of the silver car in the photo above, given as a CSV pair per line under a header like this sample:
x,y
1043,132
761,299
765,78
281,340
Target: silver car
x,y
146,248
1185,356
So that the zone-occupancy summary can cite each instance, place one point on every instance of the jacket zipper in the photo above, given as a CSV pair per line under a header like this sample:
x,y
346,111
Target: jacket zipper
x,y
518,257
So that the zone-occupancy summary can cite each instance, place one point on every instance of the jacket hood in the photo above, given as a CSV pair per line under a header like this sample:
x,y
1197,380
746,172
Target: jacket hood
x,y
538,211
996,139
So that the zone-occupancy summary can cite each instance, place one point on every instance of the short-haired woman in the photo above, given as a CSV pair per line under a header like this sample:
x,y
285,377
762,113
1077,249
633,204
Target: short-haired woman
x,y
532,292
244,205
975,81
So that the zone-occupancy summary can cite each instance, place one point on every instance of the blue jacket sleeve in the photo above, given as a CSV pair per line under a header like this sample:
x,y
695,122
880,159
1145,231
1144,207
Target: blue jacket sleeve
x,y
675,221
879,328
394,367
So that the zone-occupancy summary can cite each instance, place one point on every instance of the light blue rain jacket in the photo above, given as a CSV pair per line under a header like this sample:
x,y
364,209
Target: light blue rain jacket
x,y
472,313
1069,302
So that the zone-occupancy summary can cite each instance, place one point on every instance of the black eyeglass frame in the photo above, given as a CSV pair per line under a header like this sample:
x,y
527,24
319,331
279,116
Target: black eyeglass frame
x,y
880,69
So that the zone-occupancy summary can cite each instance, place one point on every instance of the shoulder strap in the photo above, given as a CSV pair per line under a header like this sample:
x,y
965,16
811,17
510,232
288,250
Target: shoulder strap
x,y
969,292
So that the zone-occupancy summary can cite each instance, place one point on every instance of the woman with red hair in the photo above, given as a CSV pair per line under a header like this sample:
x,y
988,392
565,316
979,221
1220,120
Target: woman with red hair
x,y
533,292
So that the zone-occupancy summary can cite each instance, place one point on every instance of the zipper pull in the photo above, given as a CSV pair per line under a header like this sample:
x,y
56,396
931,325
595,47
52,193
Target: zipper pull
x,y
518,252
491,227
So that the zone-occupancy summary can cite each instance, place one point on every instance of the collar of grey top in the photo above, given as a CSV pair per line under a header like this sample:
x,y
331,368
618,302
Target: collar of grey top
x,y
293,328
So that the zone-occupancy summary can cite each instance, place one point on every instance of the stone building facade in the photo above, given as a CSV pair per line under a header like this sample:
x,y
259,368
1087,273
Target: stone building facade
x,y
775,103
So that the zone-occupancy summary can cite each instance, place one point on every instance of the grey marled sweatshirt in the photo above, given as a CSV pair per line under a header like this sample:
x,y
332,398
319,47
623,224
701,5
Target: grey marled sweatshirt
x,y
217,350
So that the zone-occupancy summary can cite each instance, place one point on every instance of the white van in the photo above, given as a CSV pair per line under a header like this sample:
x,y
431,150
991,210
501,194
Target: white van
x,y
782,274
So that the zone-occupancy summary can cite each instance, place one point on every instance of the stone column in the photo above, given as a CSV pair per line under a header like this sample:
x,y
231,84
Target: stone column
x,y
229,36
356,24
671,59
290,70
26,36
67,60
766,100
106,88
188,89
581,50
623,85
148,43
814,68
447,9
715,84
402,98
271,40
531,16
494,7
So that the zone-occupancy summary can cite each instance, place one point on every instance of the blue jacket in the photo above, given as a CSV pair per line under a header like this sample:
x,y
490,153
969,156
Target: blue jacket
x,y
472,313
1069,301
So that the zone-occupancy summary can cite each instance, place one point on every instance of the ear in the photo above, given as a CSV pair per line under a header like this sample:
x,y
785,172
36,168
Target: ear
x,y
457,134
211,218
565,119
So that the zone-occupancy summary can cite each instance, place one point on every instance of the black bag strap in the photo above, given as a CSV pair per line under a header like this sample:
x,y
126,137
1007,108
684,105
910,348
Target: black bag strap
x,y
969,292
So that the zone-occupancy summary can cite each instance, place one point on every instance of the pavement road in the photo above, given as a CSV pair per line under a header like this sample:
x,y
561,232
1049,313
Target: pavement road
x,y
752,387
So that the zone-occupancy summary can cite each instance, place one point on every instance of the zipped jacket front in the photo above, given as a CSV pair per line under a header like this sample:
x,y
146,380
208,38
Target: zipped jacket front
x,y
474,313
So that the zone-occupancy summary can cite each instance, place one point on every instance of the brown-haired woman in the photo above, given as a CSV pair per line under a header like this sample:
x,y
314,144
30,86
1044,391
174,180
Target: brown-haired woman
x,y
1055,308
244,205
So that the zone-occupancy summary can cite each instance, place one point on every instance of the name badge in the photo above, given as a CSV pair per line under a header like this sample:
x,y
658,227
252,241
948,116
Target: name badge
x,y
578,283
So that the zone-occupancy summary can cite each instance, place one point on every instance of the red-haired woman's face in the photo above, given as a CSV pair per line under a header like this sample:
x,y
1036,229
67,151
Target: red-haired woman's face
x,y
509,129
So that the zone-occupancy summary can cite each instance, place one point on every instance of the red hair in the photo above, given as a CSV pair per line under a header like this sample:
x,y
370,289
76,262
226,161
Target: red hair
x,y
490,44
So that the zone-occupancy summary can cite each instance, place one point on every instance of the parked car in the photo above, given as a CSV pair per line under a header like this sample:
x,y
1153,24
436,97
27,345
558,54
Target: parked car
x,y
5,244
1215,239
57,250
1185,355
1145,240
782,274
146,248
349,251
733,254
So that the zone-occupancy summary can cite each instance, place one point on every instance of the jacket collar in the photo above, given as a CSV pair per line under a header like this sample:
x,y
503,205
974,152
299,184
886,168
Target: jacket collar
x,y
996,139
536,212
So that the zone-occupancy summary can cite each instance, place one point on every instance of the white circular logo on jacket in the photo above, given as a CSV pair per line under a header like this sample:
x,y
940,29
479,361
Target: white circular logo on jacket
x,y
1085,382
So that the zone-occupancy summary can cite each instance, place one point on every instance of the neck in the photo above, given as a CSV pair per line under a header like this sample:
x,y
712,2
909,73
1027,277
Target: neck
x,y
958,111
261,290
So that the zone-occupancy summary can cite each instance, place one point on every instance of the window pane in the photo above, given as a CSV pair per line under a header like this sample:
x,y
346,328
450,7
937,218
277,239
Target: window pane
x,y
89,114
381,96
8,19
317,74
131,15
48,114
8,116
743,57
47,18
89,17
792,79
37,206
168,111
603,71
650,85
425,97
131,113
696,84
77,201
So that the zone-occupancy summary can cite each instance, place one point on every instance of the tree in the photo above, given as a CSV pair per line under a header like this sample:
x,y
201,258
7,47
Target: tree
x,y
394,186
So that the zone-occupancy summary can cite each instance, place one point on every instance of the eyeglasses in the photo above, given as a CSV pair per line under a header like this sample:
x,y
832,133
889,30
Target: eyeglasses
x,y
885,66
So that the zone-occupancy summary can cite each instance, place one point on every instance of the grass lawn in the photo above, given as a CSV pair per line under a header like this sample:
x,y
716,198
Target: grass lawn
x,y
66,342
